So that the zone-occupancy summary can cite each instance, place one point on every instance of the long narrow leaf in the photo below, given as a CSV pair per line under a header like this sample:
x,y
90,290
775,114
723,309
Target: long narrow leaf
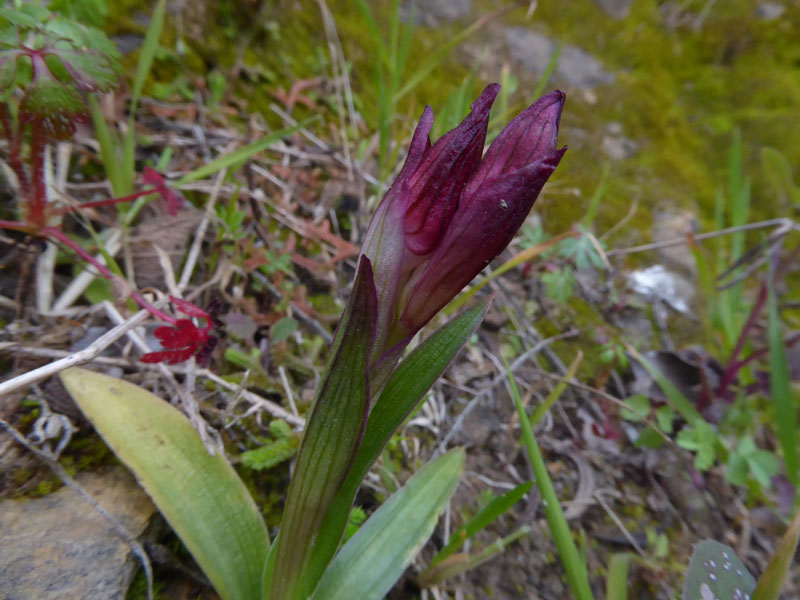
x,y
148,52
574,566
784,401
771,581
544,78
617,578
461,563
244,153
376,556
540,411
108,145
438,55
485,516
403,393
675,398
330,441
200,495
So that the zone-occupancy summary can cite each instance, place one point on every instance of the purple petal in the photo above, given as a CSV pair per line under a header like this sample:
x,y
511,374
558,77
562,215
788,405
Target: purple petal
x,y
531,136
481,229
437,183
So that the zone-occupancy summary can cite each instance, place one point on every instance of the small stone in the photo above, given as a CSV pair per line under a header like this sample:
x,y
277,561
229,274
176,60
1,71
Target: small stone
x,y
434,13
616,9
770,11
618,147
575,67
59,546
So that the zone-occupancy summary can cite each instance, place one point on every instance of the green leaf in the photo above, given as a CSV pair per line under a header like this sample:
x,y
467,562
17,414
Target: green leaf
x,y
783,398
241,155
402,394
680,403
665,415
484,517
574,565
282,329
771,580
559,284
581,250
763,465
737,469
617,578
282,447
331,439
200,495
649,438
716,572
30,15
698,438
371,562
91,12
148,52
637,409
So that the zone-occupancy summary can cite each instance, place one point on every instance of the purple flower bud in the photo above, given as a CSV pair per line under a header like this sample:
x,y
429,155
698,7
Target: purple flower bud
x,y
449,212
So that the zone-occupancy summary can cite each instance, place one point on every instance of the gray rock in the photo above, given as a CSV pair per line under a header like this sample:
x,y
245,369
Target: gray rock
x,y
616,9
618,147
433,13
59,546
575,67
769,11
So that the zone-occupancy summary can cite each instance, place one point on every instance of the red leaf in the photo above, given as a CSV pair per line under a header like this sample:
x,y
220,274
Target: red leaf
x,y
173,199
172,357
184,333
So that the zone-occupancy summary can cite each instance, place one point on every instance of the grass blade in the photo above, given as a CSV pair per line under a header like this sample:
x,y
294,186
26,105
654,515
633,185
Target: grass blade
x,y
547,73
617,577
553,396
461,563
771,581
483,518
782,396
574,566
108,145
230,160
148,52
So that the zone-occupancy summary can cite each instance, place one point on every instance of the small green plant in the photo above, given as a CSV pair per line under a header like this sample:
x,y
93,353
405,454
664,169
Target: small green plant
x,y
366,391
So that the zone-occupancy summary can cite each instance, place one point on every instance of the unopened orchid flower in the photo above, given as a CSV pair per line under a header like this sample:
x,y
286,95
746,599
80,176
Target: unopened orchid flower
x,y
453,209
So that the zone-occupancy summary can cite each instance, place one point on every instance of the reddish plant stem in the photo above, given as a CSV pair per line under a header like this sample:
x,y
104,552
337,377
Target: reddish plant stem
x,y
106,202
16,226
62,237
734,365
738,365
37,201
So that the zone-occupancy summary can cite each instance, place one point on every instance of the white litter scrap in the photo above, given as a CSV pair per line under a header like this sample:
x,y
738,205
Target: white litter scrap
x,y
657,282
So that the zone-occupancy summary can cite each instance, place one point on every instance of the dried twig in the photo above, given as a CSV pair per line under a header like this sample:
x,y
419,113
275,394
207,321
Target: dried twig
x,y
76,358
781,223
